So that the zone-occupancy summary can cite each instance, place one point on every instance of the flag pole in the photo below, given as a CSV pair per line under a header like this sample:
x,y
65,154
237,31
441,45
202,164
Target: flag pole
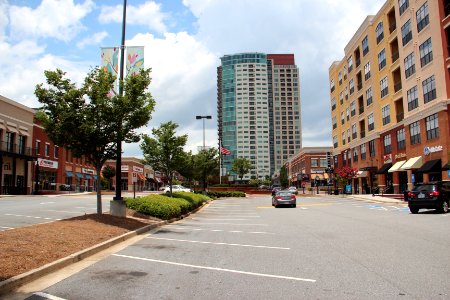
x,y
220,162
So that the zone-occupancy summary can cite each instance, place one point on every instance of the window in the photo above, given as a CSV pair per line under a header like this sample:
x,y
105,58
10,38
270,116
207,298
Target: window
x,y
352,86
432,123
323,163
55,151
344,158
423,19
414,130
334,123
9,141
314,163
363,151
341,98
406,32
426,53
403,5
348,135
22,144
340,78
387,144
401,144
333,104
413,101
365,45
429,89
354,134
382,59
346,93
342,118
367,71
372,148
345,72
384,87
410,66
370,122
386,114
350,64
353,108
369,96
332,85
355,154
335,141
379,32
343,137
37,147
347,111
47,149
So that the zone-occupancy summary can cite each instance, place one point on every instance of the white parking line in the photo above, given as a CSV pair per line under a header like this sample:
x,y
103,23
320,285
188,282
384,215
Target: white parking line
x,y
3,227
216,230
47,202
32,217
216,269
213,243
63,211
229,224
200,218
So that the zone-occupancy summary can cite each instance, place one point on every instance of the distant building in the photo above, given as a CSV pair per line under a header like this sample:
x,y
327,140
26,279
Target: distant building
x,y
259,110
390,98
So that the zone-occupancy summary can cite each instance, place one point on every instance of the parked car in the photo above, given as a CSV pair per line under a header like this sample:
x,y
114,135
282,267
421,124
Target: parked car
x,y
177,188
284,197
434,195
275,189
293,190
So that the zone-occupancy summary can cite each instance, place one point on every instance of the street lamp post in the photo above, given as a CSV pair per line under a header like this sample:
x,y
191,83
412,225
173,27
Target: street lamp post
x,y
203,117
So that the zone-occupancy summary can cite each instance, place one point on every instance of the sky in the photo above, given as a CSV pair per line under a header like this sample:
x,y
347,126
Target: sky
x,y
183,40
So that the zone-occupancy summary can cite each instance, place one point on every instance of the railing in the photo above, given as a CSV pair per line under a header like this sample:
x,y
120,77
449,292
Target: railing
x,y
400,117
361,109
397,86
392,27
359,86
15,148
362,134
395,56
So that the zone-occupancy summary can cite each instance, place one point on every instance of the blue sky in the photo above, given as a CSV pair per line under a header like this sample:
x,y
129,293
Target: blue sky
x,y
183,41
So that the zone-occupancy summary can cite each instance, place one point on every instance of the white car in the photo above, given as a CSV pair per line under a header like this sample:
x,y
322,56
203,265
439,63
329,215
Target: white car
x,y
177,188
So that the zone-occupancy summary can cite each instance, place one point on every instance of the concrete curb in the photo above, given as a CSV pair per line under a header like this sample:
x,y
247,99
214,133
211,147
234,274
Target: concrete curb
x,y
14,282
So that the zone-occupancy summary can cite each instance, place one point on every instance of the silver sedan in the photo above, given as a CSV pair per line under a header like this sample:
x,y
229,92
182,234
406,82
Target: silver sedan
x,y
284,198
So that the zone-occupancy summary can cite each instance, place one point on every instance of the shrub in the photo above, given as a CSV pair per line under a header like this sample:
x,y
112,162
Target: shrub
x,y
225,194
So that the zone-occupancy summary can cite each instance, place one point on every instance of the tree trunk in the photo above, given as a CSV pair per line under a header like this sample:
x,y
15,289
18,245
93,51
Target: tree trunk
x,y
99,190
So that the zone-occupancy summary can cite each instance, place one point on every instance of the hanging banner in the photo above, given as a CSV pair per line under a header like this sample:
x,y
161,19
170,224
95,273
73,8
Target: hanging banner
x,y
110,62
135,60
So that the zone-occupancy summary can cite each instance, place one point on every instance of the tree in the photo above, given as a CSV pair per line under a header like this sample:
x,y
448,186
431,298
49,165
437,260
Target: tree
x,y
241,166
109,172
284,181
344,175
187,167
90,120
165,151
206,164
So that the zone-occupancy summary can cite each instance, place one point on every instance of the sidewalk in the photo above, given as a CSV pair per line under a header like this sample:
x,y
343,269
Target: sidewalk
x,y
369,197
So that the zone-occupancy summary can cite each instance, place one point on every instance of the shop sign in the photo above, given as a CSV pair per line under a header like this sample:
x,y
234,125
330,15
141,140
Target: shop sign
x,y
138,169
317,171
400,155
387,158
428,150
124,168
87,171
47,163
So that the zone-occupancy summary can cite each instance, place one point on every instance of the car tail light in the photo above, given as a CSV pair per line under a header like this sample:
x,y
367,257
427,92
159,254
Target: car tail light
x,y
279,198
434,194
410,194
292,197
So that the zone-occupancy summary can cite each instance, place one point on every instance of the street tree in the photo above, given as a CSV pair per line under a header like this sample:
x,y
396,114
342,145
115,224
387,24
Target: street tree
x,y
206,164
109,172
91,119
187,167
164,152
241,166
284,180
344,175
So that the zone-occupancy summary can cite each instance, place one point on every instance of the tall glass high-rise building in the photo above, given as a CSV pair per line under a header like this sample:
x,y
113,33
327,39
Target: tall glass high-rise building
x,y
258,101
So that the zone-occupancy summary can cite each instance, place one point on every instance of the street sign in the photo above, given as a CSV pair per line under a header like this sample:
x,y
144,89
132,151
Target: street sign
x,y
134,177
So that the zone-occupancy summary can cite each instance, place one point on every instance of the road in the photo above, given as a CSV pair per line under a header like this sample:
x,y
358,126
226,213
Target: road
x,y
328,247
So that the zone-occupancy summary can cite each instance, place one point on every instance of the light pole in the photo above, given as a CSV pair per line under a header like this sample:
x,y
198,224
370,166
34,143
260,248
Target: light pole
x,y
203,117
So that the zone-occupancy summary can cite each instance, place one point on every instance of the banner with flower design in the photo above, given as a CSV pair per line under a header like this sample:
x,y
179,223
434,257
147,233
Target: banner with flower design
x,y
110,62
135,60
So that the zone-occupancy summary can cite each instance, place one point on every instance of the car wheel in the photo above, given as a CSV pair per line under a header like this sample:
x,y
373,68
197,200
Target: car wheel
x,y
294,205
444,207
414,210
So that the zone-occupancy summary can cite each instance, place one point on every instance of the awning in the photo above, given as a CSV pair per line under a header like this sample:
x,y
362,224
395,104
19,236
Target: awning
x,y
396,166
24,132
361,174
79,175
141,176
69,174
431,166
2,125
11,129
158,180
313,176
87,176
412,163
384,168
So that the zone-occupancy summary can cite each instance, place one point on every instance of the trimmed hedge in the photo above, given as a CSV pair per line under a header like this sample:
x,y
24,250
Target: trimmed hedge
x,y
225,194
164,207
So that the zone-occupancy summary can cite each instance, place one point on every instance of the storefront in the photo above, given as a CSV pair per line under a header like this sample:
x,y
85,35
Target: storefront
x,y
45,175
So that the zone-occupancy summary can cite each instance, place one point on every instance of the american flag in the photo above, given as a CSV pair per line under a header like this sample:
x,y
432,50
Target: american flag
x,y
224,151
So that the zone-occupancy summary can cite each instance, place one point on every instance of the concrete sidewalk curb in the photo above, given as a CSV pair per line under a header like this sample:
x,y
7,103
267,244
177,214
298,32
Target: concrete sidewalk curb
x,y
14,282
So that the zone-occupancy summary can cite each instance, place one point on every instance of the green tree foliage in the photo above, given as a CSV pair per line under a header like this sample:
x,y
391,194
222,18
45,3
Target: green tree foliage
x,y
206,163
241,166
165,151
109,172
187,167
284,181
92,119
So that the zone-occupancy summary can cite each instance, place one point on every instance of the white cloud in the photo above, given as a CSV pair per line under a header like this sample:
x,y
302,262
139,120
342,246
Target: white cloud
x,y
148,14
4,18
59,19
94,39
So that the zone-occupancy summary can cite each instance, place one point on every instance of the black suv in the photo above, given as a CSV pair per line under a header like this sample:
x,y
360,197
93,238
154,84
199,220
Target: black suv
x,y
429,195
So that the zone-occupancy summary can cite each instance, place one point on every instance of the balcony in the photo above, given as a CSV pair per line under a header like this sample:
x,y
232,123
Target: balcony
x,y
397,86
392,27
400,117
395,56
361,109
360,86
15,149
362,134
